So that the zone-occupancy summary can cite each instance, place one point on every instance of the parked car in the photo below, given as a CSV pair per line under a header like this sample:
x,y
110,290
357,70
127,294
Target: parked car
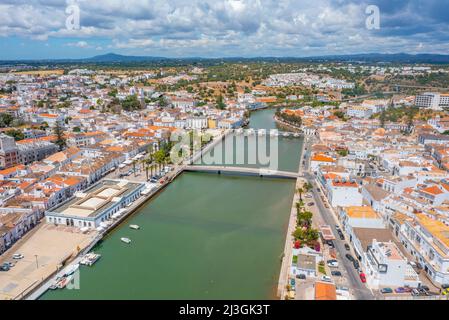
x,y
415,292
330,243
301,276
349,257
400,290
332,263
4,268
153,181
9,264
326,278
17,256
347,247
310,204
386,290
336,273
362,277
356,264
424,287
423,292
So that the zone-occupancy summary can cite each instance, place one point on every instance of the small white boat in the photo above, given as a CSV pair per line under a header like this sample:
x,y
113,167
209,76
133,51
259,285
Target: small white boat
x,y
285,134
134,226
54,286
262,132
71,270
90,258
126,240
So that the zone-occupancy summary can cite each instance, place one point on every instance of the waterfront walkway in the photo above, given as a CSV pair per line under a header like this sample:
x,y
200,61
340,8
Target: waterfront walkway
x,y
243,171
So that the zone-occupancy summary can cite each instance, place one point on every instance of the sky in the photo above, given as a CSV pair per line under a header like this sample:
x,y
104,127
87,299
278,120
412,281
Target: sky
x,y
47,29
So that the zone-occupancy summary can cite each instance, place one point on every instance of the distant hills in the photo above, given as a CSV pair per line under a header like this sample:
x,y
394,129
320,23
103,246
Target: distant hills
x,y
368,57
112,58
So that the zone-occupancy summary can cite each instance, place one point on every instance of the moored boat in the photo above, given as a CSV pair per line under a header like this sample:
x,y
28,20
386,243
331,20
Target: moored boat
x,y
71,270
134,226
126,240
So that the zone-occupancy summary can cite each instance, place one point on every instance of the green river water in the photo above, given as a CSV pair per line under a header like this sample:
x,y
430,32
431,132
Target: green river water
x,y
206,236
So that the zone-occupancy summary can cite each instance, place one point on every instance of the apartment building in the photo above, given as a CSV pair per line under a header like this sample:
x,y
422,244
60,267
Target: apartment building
x,y
432,100
427,240
387,266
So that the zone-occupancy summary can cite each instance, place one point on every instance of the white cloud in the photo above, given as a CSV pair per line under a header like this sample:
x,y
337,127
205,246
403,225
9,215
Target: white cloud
x,y
79,44
229,27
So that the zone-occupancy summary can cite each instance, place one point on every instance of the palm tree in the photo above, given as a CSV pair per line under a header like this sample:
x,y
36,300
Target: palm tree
x,y
300,191
308,187
134,167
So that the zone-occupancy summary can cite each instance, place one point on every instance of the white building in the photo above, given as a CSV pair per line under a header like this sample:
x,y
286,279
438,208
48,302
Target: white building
x,y
428,241
344,193
432,100
387,266
96,205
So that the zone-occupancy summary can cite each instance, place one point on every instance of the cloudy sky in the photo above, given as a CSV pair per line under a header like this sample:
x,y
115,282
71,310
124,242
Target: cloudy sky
x,y
37,29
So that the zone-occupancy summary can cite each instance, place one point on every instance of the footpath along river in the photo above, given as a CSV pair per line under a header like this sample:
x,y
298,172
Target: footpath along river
x,y
206,236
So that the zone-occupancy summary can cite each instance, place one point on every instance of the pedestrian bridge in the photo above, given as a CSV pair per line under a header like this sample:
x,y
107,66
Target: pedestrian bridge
x,y
243,171
271,133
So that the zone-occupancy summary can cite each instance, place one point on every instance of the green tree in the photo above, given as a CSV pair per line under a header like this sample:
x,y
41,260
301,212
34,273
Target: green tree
x,y
60,139
5,120
131,103
16,134
220,103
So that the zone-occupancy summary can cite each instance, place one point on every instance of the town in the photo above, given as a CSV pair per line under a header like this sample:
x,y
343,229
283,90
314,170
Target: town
x,y
81,149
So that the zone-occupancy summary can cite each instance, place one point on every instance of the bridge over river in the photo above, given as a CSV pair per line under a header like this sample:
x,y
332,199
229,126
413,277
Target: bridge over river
x,y
243,171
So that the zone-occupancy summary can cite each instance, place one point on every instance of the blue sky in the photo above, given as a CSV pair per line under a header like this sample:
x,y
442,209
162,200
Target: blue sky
x,y
37,29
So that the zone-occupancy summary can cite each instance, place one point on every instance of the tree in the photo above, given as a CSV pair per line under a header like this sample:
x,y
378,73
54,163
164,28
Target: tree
x,y
382,118
5,120
220,103
16,134
300,191
131,103
60,139
308,187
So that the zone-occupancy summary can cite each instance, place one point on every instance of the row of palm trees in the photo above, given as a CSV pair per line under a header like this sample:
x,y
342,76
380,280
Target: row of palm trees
x,y
152,164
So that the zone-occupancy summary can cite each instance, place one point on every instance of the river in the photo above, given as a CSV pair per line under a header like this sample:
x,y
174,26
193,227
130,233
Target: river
x,y
205,236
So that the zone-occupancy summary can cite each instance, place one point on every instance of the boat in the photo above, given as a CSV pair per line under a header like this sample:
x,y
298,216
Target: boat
x,y
262,132
297,135
64,282
126,240
274,133
71,270
90,258
285,134
54,286
134,226
249,132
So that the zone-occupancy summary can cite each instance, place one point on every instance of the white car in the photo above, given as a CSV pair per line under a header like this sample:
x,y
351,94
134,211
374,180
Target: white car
x,y
17,256
332,263
326,279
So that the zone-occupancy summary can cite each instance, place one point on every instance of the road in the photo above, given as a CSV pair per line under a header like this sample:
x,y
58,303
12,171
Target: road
x,y
359,290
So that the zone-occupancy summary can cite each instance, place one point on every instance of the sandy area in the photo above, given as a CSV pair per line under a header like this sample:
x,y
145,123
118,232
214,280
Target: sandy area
x,y
43,251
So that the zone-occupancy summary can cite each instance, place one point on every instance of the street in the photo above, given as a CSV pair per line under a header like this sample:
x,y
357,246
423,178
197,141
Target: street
x,y
359,290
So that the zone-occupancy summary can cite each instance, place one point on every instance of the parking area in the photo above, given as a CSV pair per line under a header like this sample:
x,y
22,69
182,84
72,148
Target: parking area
x,y
43,252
